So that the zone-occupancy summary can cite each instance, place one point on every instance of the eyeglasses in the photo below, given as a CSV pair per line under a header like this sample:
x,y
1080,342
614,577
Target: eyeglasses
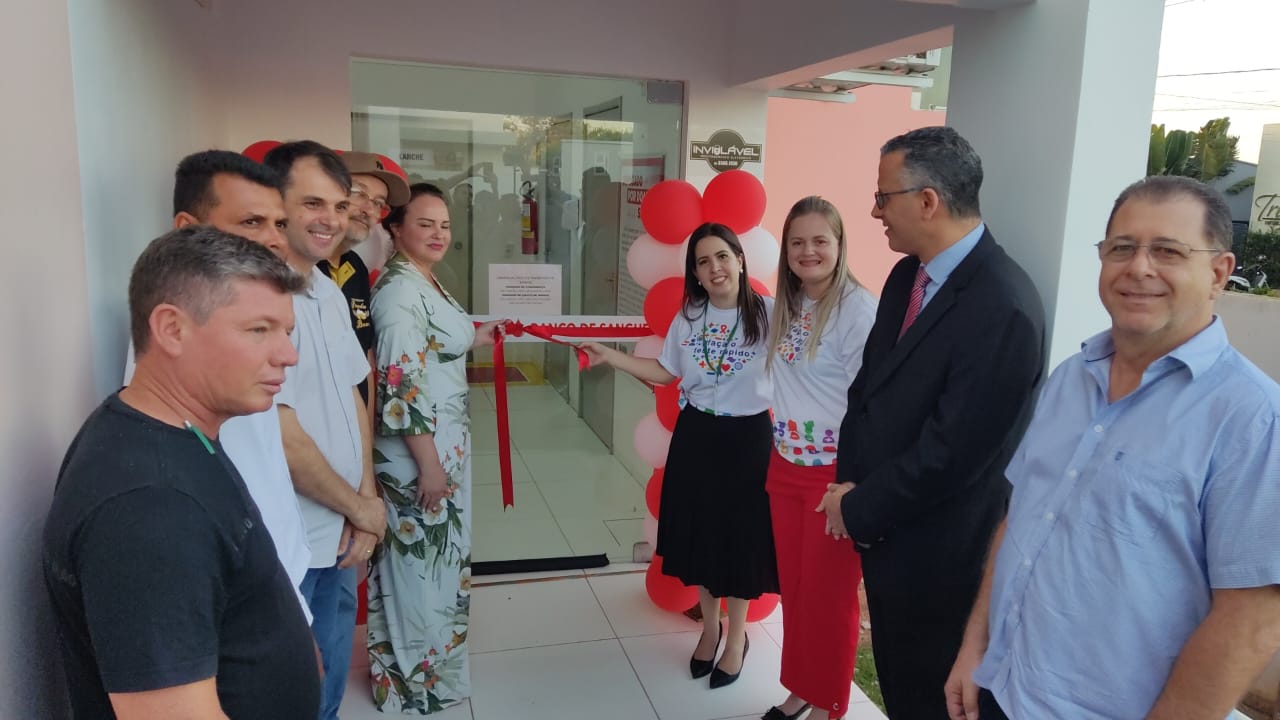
x,y
1161,252
882,198
360,195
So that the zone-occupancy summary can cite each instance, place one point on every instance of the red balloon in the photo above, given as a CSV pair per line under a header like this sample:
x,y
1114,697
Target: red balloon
x,y
734,198
761,288
667,592
653,492
662,303
762,607
671,210
257,151
667,399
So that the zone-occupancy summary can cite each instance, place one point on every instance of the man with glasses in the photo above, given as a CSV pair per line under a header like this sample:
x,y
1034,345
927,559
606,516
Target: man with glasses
x,y
1137,575
944,392
374,191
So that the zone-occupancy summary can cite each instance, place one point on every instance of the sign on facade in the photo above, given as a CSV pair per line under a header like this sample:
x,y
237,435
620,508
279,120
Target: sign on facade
x,y
1265,214
725,150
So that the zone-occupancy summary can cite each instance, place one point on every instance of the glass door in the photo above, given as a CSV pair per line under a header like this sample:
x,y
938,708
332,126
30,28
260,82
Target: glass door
x,y
536,168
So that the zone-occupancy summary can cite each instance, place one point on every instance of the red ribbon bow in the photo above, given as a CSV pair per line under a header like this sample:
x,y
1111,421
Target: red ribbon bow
x,y
549,333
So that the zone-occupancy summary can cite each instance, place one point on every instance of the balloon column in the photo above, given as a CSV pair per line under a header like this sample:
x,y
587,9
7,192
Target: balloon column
x,y
670,211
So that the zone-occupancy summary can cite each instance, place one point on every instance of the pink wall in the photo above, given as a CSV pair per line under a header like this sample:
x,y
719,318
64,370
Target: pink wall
x,y
832,150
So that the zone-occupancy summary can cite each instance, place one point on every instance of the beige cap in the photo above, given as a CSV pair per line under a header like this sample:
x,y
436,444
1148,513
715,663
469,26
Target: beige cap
x,y
362,163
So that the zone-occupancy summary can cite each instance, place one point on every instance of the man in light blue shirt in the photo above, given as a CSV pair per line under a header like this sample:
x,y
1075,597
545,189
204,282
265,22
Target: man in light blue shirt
x,y
1136,573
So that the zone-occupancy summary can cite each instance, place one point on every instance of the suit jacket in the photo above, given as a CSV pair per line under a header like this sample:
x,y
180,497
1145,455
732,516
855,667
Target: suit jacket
x,y
933,419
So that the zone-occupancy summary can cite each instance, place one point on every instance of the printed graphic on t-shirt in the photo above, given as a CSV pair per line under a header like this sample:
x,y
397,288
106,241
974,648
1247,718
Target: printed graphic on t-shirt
x,y
360,311
707,346
791,347
799,440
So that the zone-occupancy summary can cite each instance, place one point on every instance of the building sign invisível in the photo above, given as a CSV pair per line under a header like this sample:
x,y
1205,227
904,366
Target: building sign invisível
x,y
725,150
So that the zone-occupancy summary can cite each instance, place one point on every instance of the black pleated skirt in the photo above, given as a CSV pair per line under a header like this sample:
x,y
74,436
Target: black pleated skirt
x,y
714,528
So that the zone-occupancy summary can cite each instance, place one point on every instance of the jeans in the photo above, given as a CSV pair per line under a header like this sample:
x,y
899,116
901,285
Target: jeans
x,y
331,595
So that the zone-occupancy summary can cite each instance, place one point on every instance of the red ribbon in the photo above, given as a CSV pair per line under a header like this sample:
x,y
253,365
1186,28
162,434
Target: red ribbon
x,y
549,333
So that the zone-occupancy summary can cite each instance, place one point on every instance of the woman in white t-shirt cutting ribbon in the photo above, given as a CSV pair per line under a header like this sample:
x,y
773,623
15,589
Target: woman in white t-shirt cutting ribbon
x,y
714,531
820,324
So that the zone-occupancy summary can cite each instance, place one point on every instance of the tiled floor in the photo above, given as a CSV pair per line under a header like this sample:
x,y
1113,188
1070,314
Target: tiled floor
x,y
572,496
576,644
590,645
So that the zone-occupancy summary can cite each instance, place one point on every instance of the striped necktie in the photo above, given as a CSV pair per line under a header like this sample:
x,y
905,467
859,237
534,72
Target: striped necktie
x,y
916,302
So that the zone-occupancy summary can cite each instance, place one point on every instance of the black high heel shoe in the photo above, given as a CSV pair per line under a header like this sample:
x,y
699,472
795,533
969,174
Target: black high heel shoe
x,y
720,678
702,668
775,713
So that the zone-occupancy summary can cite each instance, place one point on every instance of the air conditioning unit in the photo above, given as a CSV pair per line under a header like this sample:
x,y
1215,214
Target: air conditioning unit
x,y
920,63
906,71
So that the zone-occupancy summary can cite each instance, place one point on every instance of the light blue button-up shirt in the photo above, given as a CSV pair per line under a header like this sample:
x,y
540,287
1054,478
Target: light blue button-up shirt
x,y
1124,518
946,262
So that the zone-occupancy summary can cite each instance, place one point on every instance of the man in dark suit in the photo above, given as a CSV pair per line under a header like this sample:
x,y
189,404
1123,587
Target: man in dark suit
x,y
943,396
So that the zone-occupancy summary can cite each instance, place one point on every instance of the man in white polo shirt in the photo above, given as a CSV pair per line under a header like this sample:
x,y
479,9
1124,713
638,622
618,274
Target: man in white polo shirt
x,y
326,432
237,195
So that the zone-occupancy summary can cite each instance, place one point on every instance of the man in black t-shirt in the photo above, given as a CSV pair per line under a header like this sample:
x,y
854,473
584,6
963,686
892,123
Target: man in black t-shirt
x,y
166,588
374,191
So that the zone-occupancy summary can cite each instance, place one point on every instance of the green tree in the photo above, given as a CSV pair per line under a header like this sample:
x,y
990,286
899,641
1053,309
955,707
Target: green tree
x,y
1169,152
1206,154
1213,151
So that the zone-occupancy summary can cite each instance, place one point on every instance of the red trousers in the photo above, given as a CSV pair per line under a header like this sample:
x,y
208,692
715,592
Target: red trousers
x,y
819,578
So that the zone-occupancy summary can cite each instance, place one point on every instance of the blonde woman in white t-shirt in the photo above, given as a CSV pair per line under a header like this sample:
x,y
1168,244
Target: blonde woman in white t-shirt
x,y
714,531
821,319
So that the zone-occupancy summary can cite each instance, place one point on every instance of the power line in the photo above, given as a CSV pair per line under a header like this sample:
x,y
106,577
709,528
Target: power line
x,y
1221,72
1206,109
1220,100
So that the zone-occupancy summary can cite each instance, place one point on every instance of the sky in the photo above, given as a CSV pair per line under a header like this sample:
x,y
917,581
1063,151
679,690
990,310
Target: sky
x,y
1225,38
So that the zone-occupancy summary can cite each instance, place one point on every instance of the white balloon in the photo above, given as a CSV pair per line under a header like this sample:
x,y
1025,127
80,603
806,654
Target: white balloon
x,y
650,347
649,261
651,530
761,249
652,441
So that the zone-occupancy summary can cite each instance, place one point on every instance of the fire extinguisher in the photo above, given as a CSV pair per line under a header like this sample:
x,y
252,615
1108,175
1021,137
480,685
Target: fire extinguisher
x,y
528,220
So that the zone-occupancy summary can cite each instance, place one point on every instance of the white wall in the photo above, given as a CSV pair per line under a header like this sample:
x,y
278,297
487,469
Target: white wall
x,y
286,63
142,103
1061,132
104,104
779,43
45,385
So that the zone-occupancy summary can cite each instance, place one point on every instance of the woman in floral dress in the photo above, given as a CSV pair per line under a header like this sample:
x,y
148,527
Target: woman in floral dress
x,y
420,583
